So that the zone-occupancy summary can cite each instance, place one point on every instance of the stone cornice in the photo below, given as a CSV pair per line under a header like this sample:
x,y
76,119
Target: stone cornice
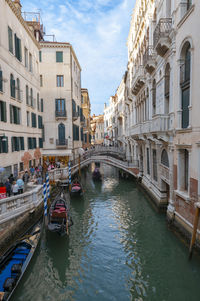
x,y
21,20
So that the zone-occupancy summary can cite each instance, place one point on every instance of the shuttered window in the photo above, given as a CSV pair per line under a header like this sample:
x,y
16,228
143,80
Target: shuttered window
x,y
73,108
75,132
10,39
59,56
3,115
4,144
40,143
40,123
81,134
15,115
27,96
40,56
18,51
12,86
155,165
33,117
42,105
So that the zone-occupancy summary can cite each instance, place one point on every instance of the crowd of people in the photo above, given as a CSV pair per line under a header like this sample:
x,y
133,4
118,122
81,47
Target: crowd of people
x,y
15,186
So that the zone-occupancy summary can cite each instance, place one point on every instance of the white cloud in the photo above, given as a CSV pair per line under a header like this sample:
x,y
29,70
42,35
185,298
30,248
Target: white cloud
x,y
97,30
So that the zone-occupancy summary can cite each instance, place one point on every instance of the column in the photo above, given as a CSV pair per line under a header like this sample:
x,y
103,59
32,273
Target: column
x,y
171,206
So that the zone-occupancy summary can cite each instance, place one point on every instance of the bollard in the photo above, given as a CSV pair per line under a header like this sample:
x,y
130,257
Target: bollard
x,y
196,220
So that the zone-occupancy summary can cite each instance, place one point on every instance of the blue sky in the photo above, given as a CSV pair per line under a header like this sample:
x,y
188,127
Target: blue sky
x,y
98,31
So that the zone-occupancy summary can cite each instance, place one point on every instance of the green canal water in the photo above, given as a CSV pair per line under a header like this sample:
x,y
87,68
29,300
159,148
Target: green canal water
x,y
119,249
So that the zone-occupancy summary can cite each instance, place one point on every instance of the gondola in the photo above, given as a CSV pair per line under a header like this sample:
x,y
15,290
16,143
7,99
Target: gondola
x,y
59,219
96,175
76,189
15,261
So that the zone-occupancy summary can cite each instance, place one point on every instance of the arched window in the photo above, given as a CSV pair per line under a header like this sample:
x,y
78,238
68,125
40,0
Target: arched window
x,y
185,83
61,134
167,88
164,158
18,89
154,98
12,86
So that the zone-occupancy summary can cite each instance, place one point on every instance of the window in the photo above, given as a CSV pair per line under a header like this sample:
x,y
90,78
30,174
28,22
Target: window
x,y
183,167
167,88
31,97
61,134
60,108
148,162
42,105
185,83
73,108
81,134
4,144
15,144
3,115
41,81
40,123
155,165
1,80
38,101
59,56
75,132
33,117
18,90
18,51
164,158
28,118
40,142
15,115
154,98
40,56
26,57
30,63
10,39
12,86
32,143
60,81
27,96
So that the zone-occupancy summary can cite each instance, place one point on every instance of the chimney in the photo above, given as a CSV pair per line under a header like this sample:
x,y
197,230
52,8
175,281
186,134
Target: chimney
x,y
18,5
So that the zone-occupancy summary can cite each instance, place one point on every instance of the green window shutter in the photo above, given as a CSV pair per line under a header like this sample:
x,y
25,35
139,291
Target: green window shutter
x,y
5,145
11,114
1,81
19,50
74,132
40,56
10,39
185,107
27,100
81,134
16,45
59,56
4,112
42,107
12,143
21,143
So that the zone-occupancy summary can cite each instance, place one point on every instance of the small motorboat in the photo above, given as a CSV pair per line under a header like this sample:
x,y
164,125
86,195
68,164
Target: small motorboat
x,y
14,262
76,189
59,216
96,175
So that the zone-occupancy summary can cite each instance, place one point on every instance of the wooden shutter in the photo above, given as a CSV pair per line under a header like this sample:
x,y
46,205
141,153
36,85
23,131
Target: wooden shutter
x,y
10,40
1,81
185,107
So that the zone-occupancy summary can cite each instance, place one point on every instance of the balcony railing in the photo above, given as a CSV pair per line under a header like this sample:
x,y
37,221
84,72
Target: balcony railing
x,y
61,113
162,31
62,142
138,79
149,59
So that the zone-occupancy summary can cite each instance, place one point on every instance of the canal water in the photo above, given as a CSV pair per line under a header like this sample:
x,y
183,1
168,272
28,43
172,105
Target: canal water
x,y
119,249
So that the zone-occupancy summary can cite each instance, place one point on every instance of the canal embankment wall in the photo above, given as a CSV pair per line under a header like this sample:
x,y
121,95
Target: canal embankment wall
x,y
18,213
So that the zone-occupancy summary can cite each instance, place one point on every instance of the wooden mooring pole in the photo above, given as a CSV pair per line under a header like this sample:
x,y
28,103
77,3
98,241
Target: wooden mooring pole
x,y
196,220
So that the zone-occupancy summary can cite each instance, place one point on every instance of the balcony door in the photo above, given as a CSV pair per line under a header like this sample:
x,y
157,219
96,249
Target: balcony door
x,y
61,134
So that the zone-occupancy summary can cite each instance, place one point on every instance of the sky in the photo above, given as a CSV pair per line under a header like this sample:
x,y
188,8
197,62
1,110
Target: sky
x,y
98,31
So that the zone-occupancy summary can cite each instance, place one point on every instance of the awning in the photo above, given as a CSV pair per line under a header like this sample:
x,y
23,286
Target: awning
x,y
57,153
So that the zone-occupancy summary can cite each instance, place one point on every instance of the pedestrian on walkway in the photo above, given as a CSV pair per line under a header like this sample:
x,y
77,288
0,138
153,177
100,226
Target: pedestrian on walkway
x,y
32,171
15,188
8,188
20,184
11,179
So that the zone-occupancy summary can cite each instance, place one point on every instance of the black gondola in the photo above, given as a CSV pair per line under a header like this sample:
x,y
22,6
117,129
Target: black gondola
x,y
14,262
59,219
96,175
76,189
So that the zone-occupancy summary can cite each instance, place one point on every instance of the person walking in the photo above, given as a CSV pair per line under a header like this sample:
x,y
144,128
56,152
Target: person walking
x,y
32,171
15,188
20,184
11,179
8,188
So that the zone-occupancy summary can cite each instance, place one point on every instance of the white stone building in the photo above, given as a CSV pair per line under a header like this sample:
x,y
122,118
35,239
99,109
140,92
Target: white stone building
x,y
60,85
21,116
163,105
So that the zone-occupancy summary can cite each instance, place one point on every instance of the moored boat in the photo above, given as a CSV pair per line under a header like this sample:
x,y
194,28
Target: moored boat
x,y
14,262
59,216
76,189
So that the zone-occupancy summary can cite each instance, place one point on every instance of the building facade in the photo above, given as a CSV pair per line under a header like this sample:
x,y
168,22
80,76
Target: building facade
x,y
60,84
86,111
97,129
161,120
21,111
